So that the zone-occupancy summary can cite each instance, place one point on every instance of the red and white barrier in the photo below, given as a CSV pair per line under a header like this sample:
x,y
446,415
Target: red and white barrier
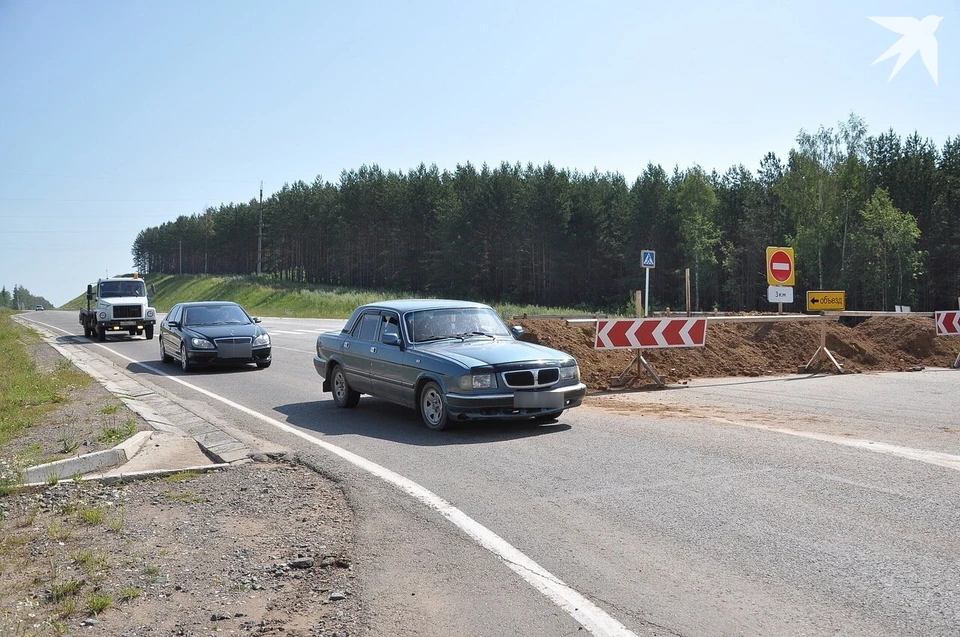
x,y
650,333
948,323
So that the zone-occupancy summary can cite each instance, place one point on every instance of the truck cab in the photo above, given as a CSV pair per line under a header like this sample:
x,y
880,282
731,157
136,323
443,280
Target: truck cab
x,y
118,304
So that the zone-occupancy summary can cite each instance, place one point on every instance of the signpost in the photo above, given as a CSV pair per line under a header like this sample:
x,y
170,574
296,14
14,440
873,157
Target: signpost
x,y
648,259
822,300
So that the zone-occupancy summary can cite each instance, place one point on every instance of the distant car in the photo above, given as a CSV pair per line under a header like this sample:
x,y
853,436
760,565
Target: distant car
x,y
213,333
449,360
39,308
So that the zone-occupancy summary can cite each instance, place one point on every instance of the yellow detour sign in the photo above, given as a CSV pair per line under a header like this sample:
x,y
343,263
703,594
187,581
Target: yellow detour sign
x,y
819,300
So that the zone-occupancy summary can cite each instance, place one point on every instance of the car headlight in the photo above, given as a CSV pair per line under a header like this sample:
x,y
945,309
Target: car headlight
x,y
149,313
570,373
201,343
477,381
263,339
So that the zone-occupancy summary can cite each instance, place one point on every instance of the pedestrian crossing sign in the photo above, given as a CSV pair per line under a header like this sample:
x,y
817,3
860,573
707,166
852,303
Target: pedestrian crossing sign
x,y
648,258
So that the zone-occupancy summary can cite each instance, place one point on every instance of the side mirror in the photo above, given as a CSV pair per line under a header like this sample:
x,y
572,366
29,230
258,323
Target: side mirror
x,y
89,292
392,339
256,319
173,324
516,330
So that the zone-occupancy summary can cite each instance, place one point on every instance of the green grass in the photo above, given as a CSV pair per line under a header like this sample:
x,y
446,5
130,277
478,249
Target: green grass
x,y
27,394
91,516
113,435
188,497
181,476
98,603
262,296
67,589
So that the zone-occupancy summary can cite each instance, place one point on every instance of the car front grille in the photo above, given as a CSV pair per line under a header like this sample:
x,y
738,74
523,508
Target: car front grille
x,y
234,347
531,378
127,311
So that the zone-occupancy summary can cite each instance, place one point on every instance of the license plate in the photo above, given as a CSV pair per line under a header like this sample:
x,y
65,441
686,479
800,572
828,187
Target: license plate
x,y
537,400
125,323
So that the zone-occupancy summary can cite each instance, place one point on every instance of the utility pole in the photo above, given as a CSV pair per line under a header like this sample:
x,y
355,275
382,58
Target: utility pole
x,y
260,234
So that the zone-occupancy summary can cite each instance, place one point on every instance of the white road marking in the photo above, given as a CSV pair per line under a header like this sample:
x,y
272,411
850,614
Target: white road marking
x,y
588,614
938,458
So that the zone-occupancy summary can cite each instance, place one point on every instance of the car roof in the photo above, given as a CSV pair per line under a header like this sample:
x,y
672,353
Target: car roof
x,y
206,303
409,305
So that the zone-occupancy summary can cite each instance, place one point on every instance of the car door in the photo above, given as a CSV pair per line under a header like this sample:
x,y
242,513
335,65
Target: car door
x,y
170,336
387,369
359,346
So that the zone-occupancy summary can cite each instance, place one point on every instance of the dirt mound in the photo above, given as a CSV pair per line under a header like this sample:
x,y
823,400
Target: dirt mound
x,y
755,349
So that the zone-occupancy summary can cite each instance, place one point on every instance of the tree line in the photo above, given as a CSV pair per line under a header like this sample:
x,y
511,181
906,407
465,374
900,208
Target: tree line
x,y
876,216
21,299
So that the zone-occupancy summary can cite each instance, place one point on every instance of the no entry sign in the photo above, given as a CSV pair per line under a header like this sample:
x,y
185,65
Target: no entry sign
x,y
780,269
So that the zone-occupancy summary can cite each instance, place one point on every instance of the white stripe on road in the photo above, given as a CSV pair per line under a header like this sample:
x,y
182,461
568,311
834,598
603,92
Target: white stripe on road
x,y
938,458
588,614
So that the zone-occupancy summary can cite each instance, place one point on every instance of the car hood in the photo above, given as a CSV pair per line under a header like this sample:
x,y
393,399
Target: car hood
x,y
476,352
225,331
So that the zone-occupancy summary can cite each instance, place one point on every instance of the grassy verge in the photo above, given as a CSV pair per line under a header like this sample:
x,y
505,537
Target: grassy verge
x,y
266,297
26,393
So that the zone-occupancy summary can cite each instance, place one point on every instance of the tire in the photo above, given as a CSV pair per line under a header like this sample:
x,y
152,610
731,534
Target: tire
x,y
264,365
139,332
87,331
433,408
132,332
184,361
149,332
101,333
343,395
164,357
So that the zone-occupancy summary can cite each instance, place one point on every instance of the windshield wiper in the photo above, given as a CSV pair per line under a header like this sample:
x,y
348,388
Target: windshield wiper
x,y
476,333
440,338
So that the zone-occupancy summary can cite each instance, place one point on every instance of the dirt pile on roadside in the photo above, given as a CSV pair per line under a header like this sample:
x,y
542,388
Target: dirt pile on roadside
x,y
756,349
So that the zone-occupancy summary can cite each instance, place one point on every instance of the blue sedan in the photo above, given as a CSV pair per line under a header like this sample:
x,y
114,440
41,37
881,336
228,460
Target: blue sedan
x,y
449,360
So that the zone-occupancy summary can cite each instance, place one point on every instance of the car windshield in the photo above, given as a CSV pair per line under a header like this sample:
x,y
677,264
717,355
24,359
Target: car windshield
x,y
215,315
110,289
462,323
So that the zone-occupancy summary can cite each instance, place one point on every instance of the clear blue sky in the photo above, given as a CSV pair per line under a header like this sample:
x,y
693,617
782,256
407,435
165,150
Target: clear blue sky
x,y
119,116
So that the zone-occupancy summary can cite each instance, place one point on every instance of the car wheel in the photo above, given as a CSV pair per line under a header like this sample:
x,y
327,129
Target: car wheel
x,y
164,357
343,395
132,332
149,331
184,361
101,333
87,331
264,365
433,409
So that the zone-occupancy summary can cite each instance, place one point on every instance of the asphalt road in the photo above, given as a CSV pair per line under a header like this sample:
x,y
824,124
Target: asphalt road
x,y
796,506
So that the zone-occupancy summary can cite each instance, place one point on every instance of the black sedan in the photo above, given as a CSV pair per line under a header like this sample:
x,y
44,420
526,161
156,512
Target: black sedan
x,y
213,333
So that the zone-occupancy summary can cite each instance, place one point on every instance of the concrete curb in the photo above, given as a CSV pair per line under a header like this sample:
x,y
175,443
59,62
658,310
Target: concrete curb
x,y
157,410
87,463
120,478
